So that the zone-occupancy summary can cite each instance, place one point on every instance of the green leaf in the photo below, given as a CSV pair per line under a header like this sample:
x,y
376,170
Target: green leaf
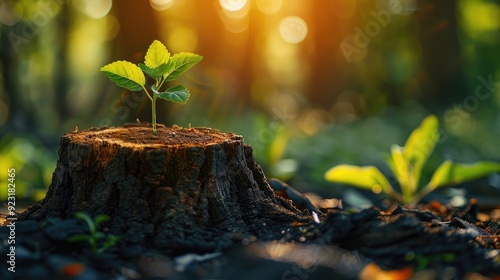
x,y
78,238
368,177
84,217
155,73
400,168
450,173
157,55
125,74
177,94
99,235
420,145
180,63
100,219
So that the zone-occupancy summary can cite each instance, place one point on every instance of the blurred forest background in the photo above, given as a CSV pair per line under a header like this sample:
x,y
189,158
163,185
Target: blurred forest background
x,y
308,83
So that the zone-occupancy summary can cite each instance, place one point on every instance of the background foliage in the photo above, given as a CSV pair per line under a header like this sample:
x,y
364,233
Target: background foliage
x,y
309,84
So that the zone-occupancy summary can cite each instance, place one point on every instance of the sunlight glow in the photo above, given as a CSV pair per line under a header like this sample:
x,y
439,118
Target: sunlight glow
x,y
269,6
182,38
377,189
236,25
95,8
233,5
489,19
281,61
160,5
235,21
239,14
293,29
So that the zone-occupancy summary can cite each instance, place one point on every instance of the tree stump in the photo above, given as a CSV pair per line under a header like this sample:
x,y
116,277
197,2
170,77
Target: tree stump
x,y
184,187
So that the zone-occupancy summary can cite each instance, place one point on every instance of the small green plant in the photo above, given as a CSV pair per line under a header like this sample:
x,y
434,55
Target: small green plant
x,y
407,163
159,65
98,241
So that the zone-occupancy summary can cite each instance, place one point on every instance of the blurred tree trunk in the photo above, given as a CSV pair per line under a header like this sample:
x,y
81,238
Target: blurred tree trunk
x,y
238,58
444,82
19,118
61,73
138,29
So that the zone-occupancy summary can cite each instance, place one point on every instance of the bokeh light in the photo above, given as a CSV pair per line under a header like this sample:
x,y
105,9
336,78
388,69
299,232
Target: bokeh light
x,y
233,5
182,38
293,29
312,69
161,5
236,25
94,8
489,19
269,7
10,13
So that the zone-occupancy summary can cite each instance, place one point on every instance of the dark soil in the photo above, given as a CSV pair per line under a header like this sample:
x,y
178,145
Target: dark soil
x,y
342,244
141,134
254,231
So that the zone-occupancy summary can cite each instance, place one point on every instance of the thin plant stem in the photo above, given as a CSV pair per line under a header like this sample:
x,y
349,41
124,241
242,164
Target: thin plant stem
x,y
154,113
159,83
422,193
153,107
147,93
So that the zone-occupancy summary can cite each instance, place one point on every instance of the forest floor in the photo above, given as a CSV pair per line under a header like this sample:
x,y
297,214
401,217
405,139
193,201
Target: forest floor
x,y
432,241
321,240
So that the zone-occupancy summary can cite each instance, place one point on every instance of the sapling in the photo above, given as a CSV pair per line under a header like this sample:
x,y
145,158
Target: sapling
x,y
159,65
98,241
407,163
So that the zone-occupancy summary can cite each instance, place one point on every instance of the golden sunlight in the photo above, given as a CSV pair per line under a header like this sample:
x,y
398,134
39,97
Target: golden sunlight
x,y
160,5
293,29
233,5
269,6
182,38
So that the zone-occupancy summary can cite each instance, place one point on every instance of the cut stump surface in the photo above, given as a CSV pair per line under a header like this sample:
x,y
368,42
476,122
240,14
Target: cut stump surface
x,y
184,187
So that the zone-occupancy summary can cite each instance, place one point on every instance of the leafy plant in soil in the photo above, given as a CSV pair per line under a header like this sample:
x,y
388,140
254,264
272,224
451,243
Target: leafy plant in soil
x,y
159,65
407,163
98,241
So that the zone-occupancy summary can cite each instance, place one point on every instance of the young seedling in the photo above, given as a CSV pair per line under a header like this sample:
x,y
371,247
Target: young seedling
x,y
98,241
407,163
159,65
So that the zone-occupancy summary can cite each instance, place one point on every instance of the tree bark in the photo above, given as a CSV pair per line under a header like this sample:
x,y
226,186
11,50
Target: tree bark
x,y
184,187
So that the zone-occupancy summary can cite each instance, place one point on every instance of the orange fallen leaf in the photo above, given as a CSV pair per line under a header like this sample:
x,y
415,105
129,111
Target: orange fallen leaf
x,y
72,269
374,272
